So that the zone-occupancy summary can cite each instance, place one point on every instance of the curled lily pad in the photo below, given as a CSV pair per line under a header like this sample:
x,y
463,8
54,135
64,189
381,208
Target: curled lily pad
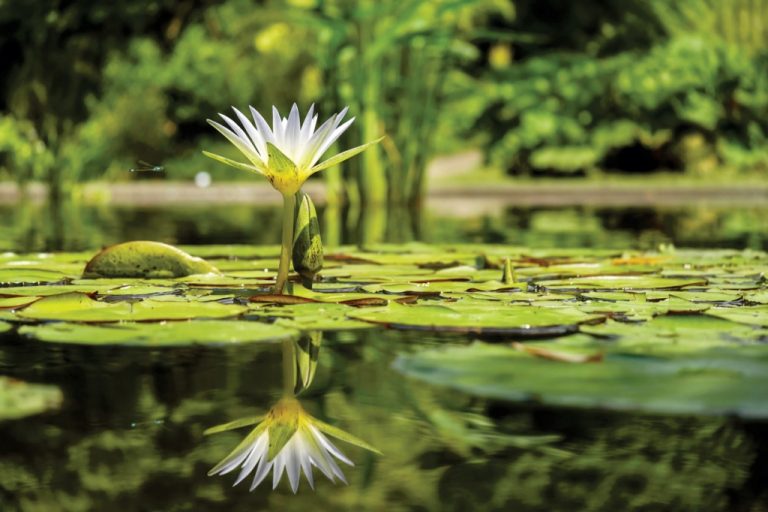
x,y
77,307
19,399
145,259
479,317
712,382
208,332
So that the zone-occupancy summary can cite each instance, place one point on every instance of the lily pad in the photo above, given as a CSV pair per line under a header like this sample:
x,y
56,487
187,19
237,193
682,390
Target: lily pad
x,y
77,307
752,315
19,399
713,382
5,326
208,332
145,259
477,317
625,283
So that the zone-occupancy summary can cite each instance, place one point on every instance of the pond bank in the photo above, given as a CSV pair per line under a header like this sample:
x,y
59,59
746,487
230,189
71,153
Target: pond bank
x,y
455,198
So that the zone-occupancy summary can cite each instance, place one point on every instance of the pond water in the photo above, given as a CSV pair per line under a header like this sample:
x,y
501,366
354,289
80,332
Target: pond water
x,y
129,432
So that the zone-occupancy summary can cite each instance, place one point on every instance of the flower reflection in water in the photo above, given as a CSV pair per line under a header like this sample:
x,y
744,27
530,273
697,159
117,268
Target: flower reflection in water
x,y
288,439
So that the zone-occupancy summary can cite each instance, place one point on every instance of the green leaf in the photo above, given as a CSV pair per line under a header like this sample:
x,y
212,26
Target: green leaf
x,y
344,155
233,163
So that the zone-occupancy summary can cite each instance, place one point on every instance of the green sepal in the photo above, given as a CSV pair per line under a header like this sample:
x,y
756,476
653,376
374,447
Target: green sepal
x,y
279,435
344,436
232,425
278,162
233,163
244,444
344,155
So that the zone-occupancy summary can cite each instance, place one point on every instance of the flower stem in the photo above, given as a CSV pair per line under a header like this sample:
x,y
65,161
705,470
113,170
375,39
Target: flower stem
x,y
289,207
289,368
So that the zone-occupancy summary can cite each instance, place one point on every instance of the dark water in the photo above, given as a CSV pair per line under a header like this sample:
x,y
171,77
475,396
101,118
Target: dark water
x,y
129,436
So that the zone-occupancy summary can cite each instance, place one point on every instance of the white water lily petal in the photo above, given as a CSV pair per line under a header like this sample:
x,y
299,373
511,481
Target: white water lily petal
x,y
253,133
330,140
244,148
261,472
300,141
257,453
325,443
292,131
307,128
262,125
241,135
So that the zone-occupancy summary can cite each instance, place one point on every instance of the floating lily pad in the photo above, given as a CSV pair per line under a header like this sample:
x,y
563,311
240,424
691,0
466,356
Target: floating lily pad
x,y
19,399
77,307
477,317
713,382
209,332
5,326
145,259
753,315
625,283
16,302
313,316
10,276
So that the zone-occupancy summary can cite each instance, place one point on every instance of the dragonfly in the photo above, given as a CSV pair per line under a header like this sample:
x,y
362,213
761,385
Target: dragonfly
x,y
143,166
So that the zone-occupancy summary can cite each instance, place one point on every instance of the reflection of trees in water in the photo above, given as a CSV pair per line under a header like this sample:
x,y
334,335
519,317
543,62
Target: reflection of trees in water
x,y
129,437
618,462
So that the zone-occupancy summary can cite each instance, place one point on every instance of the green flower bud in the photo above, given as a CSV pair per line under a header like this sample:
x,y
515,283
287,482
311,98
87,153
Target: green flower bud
x,y
307,244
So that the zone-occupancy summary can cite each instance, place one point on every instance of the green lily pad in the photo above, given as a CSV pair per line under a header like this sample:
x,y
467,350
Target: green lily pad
x,y
479,317
208,332
16,302
145,259
674,334
5,326
752,315
77,307
313,316
9,276
713,382
19,399
625,283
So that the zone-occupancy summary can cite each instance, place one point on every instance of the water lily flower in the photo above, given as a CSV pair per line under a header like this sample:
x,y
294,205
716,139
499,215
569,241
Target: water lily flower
x,y
287,154
287,440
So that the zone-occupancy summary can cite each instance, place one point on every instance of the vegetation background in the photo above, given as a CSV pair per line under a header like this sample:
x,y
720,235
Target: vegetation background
x,y
543,88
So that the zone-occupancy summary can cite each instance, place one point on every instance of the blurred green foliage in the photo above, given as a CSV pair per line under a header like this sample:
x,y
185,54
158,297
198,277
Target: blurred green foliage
x,y
89,88
682,89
